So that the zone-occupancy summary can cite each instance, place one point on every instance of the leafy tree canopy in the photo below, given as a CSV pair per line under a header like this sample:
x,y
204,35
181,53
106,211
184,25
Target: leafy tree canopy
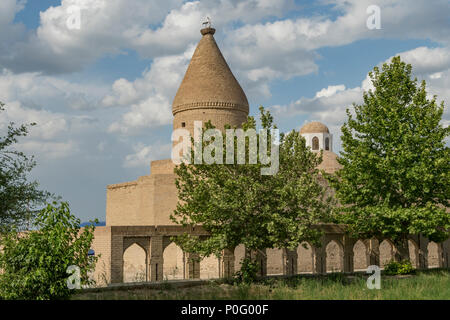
x,y
395,176
236,204
20,199
34,263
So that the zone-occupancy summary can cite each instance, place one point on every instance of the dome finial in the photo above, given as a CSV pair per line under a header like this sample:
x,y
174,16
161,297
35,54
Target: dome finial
x,y
209,90
207,27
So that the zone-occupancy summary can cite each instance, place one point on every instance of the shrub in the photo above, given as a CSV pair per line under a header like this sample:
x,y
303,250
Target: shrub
x,y
35,263
402,267
248,272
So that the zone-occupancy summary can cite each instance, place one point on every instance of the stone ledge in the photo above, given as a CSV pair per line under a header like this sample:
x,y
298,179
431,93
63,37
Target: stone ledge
x,y
150,285
122,185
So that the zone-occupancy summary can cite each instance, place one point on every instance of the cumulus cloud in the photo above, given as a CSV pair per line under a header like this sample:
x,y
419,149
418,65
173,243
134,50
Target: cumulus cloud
x,y
50,103
329,104
106,27
50,125
9,32
47,139
35,90
331,90
253,32
433,66
181,26
145,154
149,97
251,48
428,61
47,150
154,28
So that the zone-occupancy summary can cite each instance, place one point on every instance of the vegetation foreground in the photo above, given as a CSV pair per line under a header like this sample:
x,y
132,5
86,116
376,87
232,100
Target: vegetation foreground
x,y
424,286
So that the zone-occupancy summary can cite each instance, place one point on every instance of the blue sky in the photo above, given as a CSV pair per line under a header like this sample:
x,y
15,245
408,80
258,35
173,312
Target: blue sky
x,y
102,94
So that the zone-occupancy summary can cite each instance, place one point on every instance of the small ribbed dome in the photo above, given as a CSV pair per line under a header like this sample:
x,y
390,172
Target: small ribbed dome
x,y
209,82
314,127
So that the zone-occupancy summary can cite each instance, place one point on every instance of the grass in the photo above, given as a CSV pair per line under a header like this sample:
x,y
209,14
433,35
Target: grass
x,y
423,286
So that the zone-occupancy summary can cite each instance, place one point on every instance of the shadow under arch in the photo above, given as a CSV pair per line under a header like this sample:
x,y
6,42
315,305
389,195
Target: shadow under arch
x,y
174,265
413,248
304,258
274,261
433,255
210,267
239,255
360,258
135,263
334,250
386,248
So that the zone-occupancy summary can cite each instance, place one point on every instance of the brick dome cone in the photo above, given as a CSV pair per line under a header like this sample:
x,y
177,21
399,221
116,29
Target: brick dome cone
x,y
209,90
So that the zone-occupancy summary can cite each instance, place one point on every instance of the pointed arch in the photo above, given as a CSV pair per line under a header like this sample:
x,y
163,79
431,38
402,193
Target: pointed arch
x,y
209,267
433,255
173,266
135,264
335,256
413,253
274,261
239,255
315,143
305,258
360,255
386,252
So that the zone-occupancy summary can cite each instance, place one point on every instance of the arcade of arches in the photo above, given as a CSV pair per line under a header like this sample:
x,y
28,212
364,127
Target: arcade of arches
x,y
148,254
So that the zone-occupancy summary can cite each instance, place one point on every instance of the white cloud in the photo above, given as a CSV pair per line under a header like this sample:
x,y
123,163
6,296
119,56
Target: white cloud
x,y
432,65
149,97
165,28
285,48
436,75
37,91
329,104
49,125
109,27
47,139
331,90
427,60
46,150
106,27
145,154
50,103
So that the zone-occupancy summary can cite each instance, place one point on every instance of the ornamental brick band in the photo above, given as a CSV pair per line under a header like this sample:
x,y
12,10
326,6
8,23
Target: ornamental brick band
x,y
210,105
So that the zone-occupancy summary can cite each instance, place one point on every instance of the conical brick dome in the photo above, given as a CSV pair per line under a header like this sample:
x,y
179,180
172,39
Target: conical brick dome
x,y
209,90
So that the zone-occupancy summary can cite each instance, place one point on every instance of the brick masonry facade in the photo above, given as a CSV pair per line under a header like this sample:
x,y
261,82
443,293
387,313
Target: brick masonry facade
x,y
135,244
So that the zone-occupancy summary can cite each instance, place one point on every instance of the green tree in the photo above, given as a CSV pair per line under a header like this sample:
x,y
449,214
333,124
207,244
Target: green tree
x,y
34,263
395,176
19,198
237,205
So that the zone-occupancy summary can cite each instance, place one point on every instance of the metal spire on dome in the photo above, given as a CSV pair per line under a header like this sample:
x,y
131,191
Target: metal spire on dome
x,y
207,27
207,23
